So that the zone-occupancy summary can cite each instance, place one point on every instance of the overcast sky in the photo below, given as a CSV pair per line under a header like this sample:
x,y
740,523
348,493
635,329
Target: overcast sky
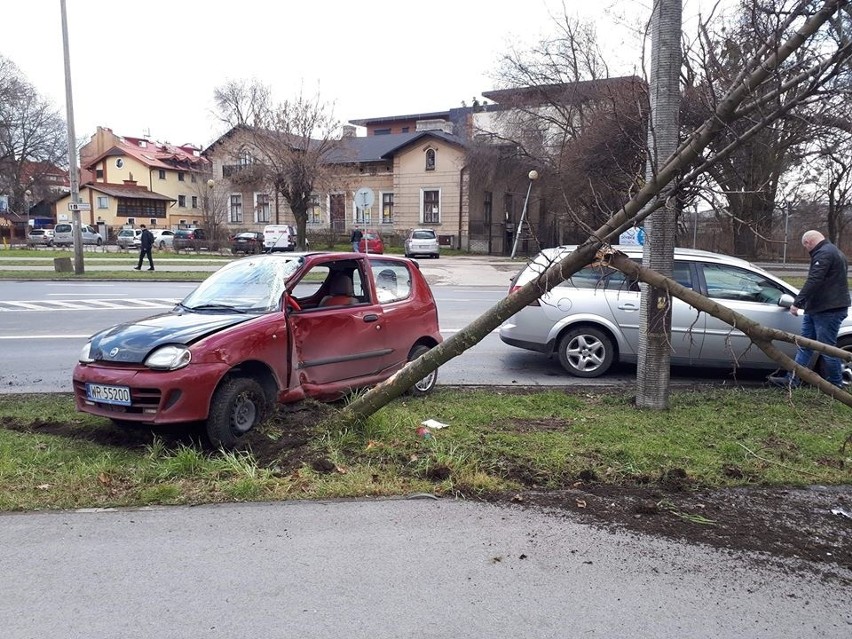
x,y
152,67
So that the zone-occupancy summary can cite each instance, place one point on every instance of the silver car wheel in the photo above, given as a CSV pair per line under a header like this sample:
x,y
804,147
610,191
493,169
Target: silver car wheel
x,y
586,352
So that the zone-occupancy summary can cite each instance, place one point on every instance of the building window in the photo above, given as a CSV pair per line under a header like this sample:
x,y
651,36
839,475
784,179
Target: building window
x,y
182,201
387,208
195,201
430,159
192,178
381,131
405,129
363,216
261,207
103,202
138,207
314,211
487,206
162,174
181,176
430,206
236,208
99,174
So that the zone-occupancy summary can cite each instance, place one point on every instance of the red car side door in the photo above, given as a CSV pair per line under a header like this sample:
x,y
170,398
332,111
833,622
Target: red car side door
x,y
340,342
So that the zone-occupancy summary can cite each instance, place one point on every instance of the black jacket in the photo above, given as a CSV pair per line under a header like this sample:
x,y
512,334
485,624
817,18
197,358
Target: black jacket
x,y
827,286
146,239
356,236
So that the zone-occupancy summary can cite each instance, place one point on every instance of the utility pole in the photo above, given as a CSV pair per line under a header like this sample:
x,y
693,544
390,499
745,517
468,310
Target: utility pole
x,y
72,150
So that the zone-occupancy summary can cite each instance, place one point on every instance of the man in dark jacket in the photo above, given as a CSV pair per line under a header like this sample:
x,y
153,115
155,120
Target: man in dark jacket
x,y
825,300
355,238
147,243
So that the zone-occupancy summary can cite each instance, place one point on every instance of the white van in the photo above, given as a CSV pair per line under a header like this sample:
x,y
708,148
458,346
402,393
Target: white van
x,y
279,237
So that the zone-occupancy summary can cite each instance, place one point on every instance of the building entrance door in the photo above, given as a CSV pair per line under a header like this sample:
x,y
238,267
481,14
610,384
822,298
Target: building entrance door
x,y
337,212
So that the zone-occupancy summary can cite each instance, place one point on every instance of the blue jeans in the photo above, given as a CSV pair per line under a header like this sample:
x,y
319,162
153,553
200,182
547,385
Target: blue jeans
x,y
355,246
823,327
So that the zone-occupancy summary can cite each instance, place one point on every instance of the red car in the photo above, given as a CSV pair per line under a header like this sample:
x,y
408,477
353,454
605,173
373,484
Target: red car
x,y
372,242
263,329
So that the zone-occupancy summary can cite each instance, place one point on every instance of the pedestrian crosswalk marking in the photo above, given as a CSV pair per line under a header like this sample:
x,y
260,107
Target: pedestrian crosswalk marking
x,y
87,305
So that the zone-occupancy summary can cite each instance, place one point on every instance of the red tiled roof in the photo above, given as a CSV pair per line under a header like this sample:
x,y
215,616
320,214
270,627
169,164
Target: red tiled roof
x,y
155,155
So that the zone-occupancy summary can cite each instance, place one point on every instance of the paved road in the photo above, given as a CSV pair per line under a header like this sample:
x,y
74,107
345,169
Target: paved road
x,y
397,568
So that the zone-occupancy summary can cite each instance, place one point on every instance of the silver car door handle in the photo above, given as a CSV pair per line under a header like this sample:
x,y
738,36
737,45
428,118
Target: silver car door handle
x,y
628,306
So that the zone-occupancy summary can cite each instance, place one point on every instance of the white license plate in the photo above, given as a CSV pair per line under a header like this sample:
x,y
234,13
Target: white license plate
x,y
104,394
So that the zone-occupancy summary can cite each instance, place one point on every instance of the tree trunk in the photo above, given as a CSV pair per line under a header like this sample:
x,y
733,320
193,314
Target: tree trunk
x,y
655,322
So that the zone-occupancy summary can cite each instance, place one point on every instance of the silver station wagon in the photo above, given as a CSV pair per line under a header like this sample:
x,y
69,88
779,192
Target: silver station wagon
x,y
591,321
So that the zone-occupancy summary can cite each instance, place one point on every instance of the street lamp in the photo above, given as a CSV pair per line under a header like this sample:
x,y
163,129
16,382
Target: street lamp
x,y
533,176
209,217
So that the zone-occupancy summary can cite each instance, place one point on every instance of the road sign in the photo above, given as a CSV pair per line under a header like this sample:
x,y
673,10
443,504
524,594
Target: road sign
x,y
634,236
364,198
79,206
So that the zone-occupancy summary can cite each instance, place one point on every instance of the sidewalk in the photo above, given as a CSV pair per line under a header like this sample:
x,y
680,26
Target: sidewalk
x,y
456,270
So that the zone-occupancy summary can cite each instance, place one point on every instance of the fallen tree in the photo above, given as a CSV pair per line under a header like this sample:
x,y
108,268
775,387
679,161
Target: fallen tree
x,y
660,189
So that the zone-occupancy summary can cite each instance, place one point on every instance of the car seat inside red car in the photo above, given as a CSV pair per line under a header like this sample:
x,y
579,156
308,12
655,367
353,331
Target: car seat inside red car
x,y
340,291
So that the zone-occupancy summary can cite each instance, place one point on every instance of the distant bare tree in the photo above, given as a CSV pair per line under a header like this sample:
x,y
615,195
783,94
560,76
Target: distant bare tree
x,y
33,137
293,141
751,157
583,131
213,204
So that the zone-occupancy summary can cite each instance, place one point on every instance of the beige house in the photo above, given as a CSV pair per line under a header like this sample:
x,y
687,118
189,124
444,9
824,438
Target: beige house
x,y
416,180
129,181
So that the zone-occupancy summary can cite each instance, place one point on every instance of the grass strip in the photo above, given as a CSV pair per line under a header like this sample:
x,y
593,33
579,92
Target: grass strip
x,y
52,457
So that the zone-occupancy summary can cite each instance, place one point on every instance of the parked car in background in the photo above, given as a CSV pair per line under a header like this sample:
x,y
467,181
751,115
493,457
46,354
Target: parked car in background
x,y
192,239
40,237
163,238
279,237
591,320
63,235
128,238
248,242
422,242
371,242
261,330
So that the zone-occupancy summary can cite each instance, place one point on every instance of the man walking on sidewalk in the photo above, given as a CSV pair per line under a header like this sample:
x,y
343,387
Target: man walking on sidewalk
x,y
825,300
147,243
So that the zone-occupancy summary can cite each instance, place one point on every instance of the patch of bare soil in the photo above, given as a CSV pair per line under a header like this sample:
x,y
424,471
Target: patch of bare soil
x,y
811,524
